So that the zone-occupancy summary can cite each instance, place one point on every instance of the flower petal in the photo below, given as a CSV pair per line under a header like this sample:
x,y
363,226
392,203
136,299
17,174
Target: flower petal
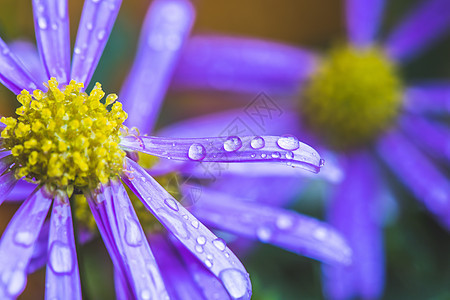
x,y
20,191
16,245
39,257
120,284
96,23
62,277
283,228
13,74
51,23
363,21
243,65
281,149
7,183
424,98
166,27
27,53
192,234
351,211
429,21
416,171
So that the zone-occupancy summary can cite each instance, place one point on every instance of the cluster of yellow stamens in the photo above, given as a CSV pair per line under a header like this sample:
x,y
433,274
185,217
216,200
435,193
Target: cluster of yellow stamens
x,y
65,138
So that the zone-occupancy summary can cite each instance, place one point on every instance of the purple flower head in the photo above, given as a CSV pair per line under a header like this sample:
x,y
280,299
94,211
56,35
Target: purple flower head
x,y
356,108
66,145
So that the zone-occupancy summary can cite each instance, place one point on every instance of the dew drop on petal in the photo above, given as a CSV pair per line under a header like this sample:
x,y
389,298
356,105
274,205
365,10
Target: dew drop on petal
x,y
172,204
133,235
320,233
232,143
208,263
276,155
263,155
236,283
290,143
264,234
289,155
24,238
145,295
42,23
219,244
101,35
284,222
257,143
196,152
14,282
199,248
61,258
195,224
201,240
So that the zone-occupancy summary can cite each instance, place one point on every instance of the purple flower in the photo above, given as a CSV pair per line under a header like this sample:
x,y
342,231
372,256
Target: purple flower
x,y
356,108
65,144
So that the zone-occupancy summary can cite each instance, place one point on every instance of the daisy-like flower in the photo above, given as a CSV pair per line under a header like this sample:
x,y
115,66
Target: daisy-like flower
x,y
353,104
70,148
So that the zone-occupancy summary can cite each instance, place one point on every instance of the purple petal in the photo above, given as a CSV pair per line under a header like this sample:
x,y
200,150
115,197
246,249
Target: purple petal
x,y
27,53
166,27
243,65
122,290
39,257
96,23
426,98
363,21
192,234
7,183
179,281
62,277
13,74
424,25
283,228
51,23
16,245
416,171
351,211
21,191
281,149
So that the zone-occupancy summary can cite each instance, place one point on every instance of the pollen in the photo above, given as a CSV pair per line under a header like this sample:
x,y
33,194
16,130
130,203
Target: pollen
x,y
354,95
66,138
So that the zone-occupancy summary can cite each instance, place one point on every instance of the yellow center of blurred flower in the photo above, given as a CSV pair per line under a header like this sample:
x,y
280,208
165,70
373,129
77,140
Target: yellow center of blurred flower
x,y
65,138
354,95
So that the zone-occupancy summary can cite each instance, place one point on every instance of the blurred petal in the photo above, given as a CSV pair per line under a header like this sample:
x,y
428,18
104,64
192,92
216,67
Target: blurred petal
x,y
7,183
425,24
351,211
363,21
192,234
96,23
62,277
51,23
28,54
243,65
166,27
280,149
283,228
417,172
434,97
16,245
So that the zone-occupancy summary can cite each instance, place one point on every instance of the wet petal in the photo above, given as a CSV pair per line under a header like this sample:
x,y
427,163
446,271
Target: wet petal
x,y
426,98
28,54
283,228
51,23
16,245
243,65
39,257
425,24
281,149
166,27
363,21
96,23
418,173
192,234
62,277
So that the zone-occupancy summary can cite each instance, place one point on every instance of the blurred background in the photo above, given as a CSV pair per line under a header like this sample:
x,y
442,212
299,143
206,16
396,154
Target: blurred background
x,y
417,249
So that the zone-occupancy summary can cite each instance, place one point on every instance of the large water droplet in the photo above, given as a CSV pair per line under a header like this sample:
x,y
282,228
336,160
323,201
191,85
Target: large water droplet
x,y
24,238
236,283
14,282
133,235
61,258
232,143
201,240
42,23
196,152
257,143
172,204
219,244
288,143
264,234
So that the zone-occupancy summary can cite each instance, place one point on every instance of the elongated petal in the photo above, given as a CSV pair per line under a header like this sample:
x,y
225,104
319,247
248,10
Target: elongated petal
x,y
192,234
16,245
62,276
351,211
428,98
96,23
286,149
416,171
167,26
286,229
51,23
13,74
243,65
122,290
7,183
425,24
20,191
28,54
39,257
363,21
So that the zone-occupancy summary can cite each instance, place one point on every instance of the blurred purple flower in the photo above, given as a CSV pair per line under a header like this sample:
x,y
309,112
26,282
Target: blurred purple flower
x,y
408,145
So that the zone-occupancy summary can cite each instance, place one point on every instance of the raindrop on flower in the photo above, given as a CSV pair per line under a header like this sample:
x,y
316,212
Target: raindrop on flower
x,y
219,244
289,155
145,295
196,152
320,233
208,263
201,240
276,155
61,258
14,281
199,248
195,224
232,143
24,238
172,204
257,143
288,143
42,23
264,234
133,235
284,222
236,282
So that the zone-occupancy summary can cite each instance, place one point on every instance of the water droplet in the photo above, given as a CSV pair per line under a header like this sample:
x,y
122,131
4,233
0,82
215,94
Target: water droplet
x,y
320,233
173,223
14,281
264,234
133,235
201,240
195,224
101,35
42,23
236,283
199,248
219,244
89,26
288,142
232,143
196,152
253,155
289,155
77,50
321,162
172,204
61,258
227,255
276,155
263,155
257,143
145,295
208,263
24,238
284,222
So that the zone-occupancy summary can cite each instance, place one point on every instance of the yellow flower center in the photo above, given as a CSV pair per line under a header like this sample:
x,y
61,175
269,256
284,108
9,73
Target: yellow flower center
x,y
65,138
354,95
